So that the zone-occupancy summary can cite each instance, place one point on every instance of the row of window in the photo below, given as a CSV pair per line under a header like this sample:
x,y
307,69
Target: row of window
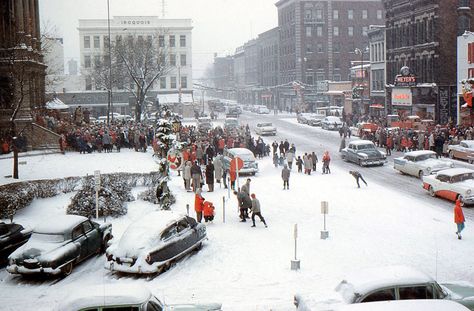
x,y
172,41
377,52
422,31
378,80
163,83
96,40
335,31
318,14
422,66
97,59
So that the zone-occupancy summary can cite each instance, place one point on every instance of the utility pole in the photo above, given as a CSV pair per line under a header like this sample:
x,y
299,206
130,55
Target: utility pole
x,y
109,104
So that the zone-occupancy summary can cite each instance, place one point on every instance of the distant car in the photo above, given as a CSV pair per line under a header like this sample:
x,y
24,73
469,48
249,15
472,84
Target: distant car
x,y
231,124
452,184
101,119
12,236
315,119
464,150
234,109
364,153
124,117
154,242
263,110
265,128
204,124
303,117
420,163
59,244
126,297
247,156
331,123
392,283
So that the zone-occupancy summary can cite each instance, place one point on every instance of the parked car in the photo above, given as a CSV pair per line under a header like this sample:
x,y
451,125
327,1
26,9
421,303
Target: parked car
x,y
12,236
204,124
361,127
56,246
303,117
126,297
263,110
265,128
154,242
364,153
231,124
392,283
464,150
315,119
405,305
452,184
331,123
420,163
247,156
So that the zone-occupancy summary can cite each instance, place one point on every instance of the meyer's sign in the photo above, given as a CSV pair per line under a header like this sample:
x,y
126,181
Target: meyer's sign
x,y
402,97
405,78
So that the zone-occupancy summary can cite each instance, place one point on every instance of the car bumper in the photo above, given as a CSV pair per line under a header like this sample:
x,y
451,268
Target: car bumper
x,y
468,200
128,268
248,170
15,269
268,133
372,162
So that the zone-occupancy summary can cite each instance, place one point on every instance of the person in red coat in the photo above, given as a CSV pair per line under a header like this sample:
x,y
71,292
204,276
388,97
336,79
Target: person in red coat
x,y
208,211
458,218
198,204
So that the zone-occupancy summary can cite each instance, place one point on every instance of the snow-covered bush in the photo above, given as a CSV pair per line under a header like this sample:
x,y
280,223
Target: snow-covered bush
x,y
159,193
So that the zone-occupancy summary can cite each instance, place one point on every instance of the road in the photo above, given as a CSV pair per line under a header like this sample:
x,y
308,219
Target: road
x,y
307,139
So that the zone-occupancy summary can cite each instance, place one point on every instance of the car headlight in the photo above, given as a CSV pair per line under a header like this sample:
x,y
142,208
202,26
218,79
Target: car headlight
x,y
451,165
428,169
468,191
11,261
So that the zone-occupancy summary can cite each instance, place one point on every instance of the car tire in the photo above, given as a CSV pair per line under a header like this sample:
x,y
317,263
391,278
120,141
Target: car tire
x,y
432,192
360,163
103,247
451,154
470,161
421,174
67,269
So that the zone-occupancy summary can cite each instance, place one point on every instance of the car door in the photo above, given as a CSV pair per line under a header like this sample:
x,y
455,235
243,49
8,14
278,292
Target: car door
x,y
168,238
379,295
80,240
352,153
462,151
94,239
410,165
186,235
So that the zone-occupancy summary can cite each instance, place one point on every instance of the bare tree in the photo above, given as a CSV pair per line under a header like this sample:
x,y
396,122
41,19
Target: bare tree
x,y
55,70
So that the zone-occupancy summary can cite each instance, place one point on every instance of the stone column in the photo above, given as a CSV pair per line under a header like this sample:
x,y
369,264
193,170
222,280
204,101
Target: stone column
x,y
36,22
19,22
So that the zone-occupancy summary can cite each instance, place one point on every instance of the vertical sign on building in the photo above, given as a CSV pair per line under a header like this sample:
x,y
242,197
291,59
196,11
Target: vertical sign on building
x,y
443,100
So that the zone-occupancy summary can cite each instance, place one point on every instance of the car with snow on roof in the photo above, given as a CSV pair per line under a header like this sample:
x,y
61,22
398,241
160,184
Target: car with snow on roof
x,y
364,153
247,156
452,184
265,128
405,305
464,150
154,242
12,236
331,123
56,246
420,163
390,283
303,117
315,119
126,297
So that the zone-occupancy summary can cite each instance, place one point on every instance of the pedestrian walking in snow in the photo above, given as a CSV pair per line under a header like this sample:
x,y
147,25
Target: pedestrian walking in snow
x,y
290,156
218,165
299,164
326,161
256,211
198,204
196,175
343,144
285,175
210,175
314,159
245,203
275,159
458,218
246,187
358,176
308,164
187,176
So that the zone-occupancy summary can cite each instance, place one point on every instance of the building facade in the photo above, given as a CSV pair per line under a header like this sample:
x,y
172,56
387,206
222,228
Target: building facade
x,y
465,71
223,76
376,35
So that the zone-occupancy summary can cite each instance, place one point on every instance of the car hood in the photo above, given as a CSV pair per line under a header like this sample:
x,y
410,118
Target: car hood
x,y
435,163
267,128
370,153
459,290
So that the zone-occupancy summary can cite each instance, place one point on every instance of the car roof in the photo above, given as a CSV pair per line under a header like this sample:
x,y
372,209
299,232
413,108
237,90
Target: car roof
x,y
455,171
237,151
106,295
361,142
60,224
367,280
406,305
419,152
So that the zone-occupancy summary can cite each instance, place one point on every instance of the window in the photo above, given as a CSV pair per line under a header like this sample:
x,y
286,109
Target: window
x,y
335,31
350,14
96,42
308,14
337,77
308,31
335,14
470,53
182,60
182,41
309,48
76,232
87,61
172,41
364,14
106,41
172,59
364,31
87,42
319,31
161,41
171,231
337,63
184,82
87,226
416,292
379,14
163,82
173,82
96,60
319,14
470,73
350,31
320,48
382,295
128,308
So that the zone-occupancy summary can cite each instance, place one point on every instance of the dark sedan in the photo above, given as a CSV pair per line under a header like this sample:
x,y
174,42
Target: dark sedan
x,y
55,247
364,153
12,236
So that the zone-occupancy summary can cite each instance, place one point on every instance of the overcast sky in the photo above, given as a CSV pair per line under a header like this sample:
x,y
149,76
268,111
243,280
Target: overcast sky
x,y
219,25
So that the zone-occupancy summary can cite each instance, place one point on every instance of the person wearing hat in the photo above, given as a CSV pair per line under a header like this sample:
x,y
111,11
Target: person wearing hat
x,y
256,211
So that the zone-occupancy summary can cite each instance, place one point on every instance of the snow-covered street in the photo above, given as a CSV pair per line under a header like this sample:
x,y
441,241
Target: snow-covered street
x,y
249,268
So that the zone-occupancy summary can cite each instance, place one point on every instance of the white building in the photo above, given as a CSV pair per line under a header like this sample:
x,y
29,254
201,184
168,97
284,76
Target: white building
x,y
377,45
465,70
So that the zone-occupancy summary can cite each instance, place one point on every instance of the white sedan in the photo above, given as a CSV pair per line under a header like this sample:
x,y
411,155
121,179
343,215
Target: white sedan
x,y
452,184
266,128
420,163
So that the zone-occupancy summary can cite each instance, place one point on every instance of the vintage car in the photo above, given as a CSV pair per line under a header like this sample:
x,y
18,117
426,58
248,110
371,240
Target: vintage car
x,y
464,150
154,242
247,156
315,119
359,128
12,236
405,305
391,283
204,124
263,110
265,128
126,297
452,184
420,163
56,246
231,124
303,117
363,152
331,123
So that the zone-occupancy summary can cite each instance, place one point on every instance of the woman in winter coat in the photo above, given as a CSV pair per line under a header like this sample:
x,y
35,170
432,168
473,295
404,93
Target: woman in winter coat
x,y
208,211
218,168
308,164
285,175
198,204
326,161
458,218
187,175
210,176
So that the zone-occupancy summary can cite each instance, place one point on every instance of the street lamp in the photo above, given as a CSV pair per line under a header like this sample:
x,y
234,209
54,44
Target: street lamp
x,y
109,104
361,87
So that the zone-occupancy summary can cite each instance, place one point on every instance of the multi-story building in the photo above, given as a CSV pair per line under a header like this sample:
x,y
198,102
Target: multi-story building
x,y
465,71
174,36
239,74
377,70
268,70
421,39
223,76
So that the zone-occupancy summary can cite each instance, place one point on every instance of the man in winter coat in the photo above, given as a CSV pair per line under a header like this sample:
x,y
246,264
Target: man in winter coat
x,y
218,168
458,218
326,161
208,211
196,175
246,187
198,204
314,159
358,176
256,211
285,175
308,164
187,175
290,156
299,164
245,203
210,175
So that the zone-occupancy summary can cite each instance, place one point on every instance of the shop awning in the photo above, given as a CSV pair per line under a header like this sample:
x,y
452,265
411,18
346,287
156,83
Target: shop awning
x,y
173,98
56,104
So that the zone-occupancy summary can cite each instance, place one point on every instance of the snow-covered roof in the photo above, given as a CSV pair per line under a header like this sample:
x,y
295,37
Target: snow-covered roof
x,y
455,171
60,224
406,305
361,142
56,103
468,142
105,295
173,98
419,152
241,152
366,280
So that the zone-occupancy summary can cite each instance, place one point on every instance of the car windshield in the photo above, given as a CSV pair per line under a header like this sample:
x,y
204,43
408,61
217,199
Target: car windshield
x,y
47,237
470,144
366,147
264,124
461,177
424,157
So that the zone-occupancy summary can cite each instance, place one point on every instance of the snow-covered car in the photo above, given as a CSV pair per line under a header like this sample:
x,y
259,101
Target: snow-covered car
x,y
406,305
152,243
56,246
464,150
331,123
315,119
452,184
12,236
265,128
364,153
247,156
263,110
231,124
420,163
126,297
390,283
303,117
204,124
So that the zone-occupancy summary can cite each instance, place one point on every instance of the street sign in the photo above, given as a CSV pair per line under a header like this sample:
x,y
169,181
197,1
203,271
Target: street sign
x,y
324,207
97,179
236,164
